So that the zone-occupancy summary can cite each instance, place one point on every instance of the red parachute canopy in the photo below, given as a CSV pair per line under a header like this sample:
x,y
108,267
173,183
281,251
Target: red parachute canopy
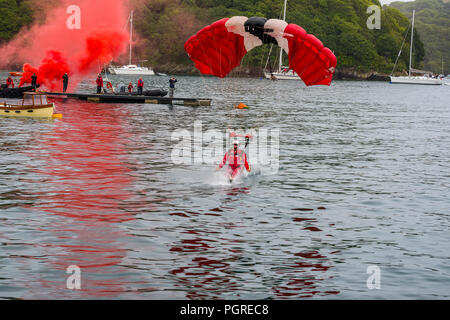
x,y
219,48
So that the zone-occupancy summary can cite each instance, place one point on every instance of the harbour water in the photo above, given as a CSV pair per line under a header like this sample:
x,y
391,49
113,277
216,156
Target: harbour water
x,y
362,181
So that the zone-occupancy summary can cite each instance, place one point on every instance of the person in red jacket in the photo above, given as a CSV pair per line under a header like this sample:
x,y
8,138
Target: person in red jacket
x,y
99,83
10,82
130,87
236,159
140,86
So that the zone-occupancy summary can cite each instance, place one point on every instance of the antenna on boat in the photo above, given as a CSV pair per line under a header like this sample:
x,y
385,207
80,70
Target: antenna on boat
x,y
412,39
131,34
281,49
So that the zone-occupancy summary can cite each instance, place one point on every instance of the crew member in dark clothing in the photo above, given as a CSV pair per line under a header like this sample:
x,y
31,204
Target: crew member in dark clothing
x,y
10,82
65,81
99,83
34,81
172,82
140,86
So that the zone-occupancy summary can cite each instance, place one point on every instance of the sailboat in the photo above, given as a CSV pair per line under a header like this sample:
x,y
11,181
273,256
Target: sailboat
x,y
425,77
283,72
131,69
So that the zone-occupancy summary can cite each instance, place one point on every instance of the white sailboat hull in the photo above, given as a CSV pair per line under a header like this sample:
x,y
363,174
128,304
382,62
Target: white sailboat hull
x,y
125,70
131,69
416,80
290,75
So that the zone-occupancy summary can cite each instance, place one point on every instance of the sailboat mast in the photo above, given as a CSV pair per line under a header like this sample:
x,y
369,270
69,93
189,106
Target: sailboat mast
x,y
281,50
412,39
131,34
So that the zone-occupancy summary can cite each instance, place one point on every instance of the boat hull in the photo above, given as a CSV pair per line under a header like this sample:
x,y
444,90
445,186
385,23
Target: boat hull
x,y
281,76
416,80
27,112
15,92
119,71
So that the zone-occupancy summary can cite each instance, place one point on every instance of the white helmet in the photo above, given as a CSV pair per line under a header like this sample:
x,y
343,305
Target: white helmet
x,y
235,142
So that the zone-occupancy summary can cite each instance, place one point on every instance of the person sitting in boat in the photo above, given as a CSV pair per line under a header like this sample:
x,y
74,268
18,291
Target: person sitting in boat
x,y
10,82
99,83
140,86
235,158
121,88
130,87
109,86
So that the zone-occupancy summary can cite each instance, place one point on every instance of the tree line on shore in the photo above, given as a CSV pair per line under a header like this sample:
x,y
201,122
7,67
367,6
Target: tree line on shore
x,y
163,26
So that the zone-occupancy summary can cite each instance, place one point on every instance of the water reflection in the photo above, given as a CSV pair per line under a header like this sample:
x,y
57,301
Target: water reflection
x,y
89,186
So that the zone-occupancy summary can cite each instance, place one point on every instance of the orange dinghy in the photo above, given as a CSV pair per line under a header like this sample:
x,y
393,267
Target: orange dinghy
x,y
16,74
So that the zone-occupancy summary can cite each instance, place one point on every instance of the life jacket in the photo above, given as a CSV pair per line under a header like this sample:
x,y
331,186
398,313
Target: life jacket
x,y
235,160
100,82
140,83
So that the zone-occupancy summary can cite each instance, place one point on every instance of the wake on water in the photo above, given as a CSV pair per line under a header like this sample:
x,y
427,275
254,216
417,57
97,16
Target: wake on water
x,y
221,178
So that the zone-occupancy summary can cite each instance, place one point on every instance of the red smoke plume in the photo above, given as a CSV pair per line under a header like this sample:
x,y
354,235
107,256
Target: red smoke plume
x,y
101,48
49,73
53,48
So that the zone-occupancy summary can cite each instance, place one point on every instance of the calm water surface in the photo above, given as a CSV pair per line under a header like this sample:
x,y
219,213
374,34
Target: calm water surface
x,y
363,180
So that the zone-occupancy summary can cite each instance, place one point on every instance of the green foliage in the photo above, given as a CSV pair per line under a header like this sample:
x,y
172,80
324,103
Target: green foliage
x,y
340,24
163,26
433,27
14,15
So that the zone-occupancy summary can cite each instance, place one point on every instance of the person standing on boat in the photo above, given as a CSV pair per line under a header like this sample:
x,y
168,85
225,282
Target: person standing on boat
x,y
130,87
140,86
34,81
99,83
10,82
172,82
65,81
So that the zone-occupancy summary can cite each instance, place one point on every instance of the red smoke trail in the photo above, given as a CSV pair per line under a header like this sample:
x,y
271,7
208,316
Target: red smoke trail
x,y
52,49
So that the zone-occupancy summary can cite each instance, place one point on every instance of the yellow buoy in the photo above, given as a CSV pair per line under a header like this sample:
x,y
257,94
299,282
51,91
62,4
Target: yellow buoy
x,y
57,115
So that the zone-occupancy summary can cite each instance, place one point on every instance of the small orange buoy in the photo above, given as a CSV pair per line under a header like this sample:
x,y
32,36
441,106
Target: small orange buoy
x,y
57,115
241,106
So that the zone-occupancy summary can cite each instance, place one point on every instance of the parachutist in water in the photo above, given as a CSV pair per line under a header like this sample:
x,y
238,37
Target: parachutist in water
x,y
236,159
172,82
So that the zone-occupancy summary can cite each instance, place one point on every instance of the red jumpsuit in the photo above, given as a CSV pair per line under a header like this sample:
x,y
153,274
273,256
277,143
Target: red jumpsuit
x,y
130,88
10,82
235,161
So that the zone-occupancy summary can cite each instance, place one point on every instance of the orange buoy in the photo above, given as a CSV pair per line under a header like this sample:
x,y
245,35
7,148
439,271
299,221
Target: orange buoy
x,y
241,106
